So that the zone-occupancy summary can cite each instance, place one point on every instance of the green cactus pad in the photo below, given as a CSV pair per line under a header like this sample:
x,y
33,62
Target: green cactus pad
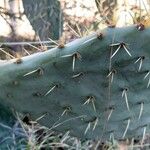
x,y
94,87
48,21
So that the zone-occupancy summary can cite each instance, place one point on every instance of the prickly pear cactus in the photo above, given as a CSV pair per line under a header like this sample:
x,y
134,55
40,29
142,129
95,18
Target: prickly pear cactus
x,y
48,21
95,87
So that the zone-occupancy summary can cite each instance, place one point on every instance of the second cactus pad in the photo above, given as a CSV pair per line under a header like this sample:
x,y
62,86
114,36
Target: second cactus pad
x,y
94,87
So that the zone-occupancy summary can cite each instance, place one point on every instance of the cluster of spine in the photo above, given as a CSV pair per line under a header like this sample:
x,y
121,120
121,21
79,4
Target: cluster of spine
x,y
95,87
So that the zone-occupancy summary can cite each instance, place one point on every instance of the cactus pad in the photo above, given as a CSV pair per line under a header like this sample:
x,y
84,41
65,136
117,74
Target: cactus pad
x,y
94,87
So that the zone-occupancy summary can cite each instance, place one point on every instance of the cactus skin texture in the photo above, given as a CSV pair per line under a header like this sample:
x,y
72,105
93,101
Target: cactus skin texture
x,y
94,87
48,21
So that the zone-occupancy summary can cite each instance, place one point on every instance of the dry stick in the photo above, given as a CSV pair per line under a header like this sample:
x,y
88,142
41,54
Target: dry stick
x,y
146,9
25,43
140,10
79,31
87,30
67,120
26,51
34,47
109,93
7,53
73,31
53,41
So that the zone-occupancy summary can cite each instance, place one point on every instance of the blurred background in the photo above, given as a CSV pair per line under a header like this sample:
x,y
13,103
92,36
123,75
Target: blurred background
x,y
34,19
39,22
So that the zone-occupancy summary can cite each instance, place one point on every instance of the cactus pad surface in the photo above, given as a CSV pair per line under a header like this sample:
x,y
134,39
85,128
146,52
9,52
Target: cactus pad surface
x,y
94,87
